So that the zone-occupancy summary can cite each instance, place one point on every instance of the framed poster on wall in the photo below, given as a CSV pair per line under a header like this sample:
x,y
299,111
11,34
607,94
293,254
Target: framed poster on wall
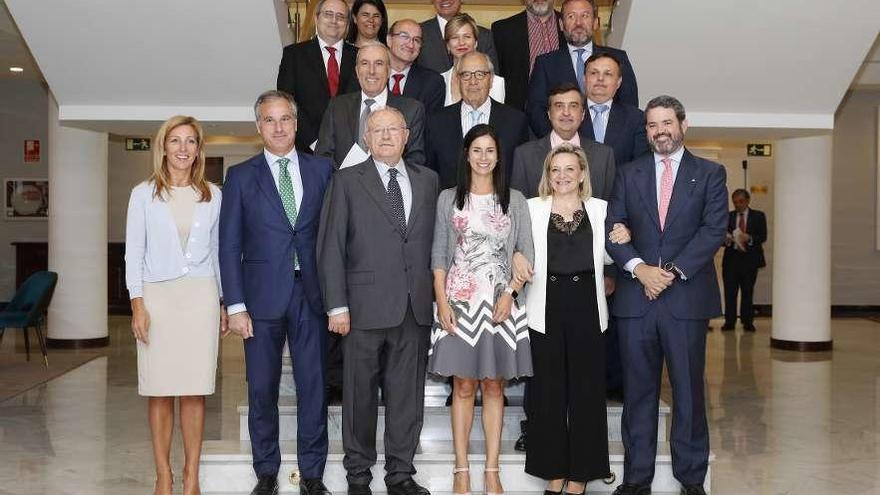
x,y
26,199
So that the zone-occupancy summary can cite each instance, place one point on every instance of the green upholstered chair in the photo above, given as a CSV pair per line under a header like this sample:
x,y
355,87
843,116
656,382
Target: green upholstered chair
x,y
28,309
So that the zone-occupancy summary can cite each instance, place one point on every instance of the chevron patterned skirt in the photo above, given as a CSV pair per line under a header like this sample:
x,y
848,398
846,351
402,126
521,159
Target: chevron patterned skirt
x,y
479,348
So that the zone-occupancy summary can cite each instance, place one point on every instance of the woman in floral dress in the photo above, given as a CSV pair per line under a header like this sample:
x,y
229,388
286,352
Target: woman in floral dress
x,y
480,335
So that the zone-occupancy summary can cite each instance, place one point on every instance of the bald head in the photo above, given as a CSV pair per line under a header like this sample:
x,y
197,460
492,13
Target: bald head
x,y
404,42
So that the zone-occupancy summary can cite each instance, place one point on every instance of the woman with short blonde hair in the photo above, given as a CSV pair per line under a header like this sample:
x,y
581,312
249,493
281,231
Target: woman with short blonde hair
x,y
461,35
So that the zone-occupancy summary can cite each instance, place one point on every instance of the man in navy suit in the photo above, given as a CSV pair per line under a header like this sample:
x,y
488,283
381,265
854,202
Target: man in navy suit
x,y
446,129
607,120
408,78
268,233
580,19
743,257
675,206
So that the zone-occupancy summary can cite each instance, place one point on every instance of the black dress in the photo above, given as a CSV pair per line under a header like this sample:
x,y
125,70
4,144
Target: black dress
x,y
568,430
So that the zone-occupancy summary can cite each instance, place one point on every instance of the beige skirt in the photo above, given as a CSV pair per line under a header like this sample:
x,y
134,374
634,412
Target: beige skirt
x,y
181,358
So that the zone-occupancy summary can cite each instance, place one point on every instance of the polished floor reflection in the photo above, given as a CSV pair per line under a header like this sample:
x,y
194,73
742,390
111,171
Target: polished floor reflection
x,y
781,422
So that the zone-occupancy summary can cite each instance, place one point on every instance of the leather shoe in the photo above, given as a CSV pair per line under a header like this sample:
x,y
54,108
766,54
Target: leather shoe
x,y
266,485
520,444
313,486
627,489
692,490
407,487
726,327
749,327
359,489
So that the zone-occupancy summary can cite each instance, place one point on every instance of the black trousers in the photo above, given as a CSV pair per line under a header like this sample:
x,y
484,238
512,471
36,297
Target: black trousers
x,y
396,359
739,277
568,430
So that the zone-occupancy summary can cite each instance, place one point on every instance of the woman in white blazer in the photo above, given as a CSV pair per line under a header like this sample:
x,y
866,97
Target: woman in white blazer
x,y
173,278
567,314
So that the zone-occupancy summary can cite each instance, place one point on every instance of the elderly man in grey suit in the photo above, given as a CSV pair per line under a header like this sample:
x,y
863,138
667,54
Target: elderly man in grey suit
x,y
566,112
344,120
374,254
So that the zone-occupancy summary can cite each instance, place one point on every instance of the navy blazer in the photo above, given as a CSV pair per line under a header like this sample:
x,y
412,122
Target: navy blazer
x,y
625,132
444,139
555,68
302,74
257,242
426,86
696,224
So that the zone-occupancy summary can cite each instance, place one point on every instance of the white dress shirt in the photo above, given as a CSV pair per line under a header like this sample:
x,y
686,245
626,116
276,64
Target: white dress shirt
x,y
588,50
442,23
325,54
380,99
658,174
485,109
604,118
403,80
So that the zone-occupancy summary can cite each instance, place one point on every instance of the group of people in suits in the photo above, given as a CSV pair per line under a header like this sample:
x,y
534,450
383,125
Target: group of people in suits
x,y
337,236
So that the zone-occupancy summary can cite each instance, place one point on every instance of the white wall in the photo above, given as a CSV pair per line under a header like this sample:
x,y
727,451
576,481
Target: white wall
x,y
23,115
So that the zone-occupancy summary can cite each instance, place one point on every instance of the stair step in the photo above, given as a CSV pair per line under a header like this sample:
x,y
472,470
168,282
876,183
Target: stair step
x,y
226,467
437,424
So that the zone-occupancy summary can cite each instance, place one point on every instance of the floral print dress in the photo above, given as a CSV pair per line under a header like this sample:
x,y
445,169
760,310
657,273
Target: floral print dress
x,y
480,348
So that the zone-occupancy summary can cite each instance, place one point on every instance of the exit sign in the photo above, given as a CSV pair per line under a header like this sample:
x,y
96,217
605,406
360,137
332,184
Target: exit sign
x,y
759,150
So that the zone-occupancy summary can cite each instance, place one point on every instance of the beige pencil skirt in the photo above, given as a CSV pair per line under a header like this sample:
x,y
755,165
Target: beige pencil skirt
x,y
181,358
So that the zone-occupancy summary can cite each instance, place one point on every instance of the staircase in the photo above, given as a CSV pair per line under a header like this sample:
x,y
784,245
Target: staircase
x,y
226,465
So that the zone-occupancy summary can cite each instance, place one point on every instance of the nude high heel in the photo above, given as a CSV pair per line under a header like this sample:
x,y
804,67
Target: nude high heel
x,y
486,472
456,471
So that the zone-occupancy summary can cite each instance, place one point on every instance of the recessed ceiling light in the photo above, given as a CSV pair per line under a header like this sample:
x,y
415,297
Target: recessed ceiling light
x,y
16,69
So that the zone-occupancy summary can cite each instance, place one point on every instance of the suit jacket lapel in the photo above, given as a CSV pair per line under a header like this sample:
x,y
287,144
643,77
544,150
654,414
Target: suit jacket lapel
x,y
432,30
565,60
615,120
683,187
419,189
373,184
310,185
267,185
346,68
353,109
646,181
316,62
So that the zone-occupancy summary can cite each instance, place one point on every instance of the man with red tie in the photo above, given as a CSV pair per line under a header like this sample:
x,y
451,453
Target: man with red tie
x,y
316,70
404,40
743,257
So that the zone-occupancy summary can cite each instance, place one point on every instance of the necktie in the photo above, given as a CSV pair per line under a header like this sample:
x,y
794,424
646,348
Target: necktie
x,y
332,71
599,122
395,90
742,222
288,196
395,199
362,126
579,68
476,115
665,190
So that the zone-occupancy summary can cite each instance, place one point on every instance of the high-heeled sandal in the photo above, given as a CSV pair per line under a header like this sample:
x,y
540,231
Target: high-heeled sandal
x,y
582,492
486,471
547,491
458,470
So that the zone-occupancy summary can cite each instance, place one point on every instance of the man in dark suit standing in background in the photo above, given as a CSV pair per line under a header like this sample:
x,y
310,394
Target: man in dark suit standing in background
x,y
316,70
607,120
580,19
519,40
408,78
434,55
675,206
743,256
446,128
268,233
377,225
344,121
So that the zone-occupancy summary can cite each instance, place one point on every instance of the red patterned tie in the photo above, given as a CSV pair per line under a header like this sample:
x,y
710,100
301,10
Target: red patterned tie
x,y
665,190
395,90
332,71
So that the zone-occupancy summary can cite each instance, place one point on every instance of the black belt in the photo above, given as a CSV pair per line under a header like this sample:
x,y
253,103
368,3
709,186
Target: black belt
x,y
574,277
297,274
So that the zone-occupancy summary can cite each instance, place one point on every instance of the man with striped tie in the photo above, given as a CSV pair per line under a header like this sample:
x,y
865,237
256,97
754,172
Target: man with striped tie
x,y
675,206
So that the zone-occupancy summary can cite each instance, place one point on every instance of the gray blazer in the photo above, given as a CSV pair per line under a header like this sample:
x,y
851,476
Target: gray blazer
x,y
339,127
364,261
434,54
518,241
528,166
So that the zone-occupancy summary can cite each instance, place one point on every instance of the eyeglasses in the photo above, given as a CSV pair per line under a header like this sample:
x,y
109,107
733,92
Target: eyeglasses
x,y
331,16
467,75
406,38
392,130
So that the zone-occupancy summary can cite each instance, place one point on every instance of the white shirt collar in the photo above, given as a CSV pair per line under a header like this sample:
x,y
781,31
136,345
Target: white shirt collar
x,y
442,22
588,48
272,159
383,168
590,104
405,72
381,99
323,44
484,108
676,157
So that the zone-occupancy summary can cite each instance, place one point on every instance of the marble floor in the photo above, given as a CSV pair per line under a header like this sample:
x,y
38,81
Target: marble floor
x,y
781,422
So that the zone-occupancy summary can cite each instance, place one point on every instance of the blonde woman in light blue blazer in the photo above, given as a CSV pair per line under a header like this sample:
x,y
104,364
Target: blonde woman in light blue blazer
x,y
173,278
567,312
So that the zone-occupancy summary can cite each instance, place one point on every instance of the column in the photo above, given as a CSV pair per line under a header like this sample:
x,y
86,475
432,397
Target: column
x,y
802,244
77,234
